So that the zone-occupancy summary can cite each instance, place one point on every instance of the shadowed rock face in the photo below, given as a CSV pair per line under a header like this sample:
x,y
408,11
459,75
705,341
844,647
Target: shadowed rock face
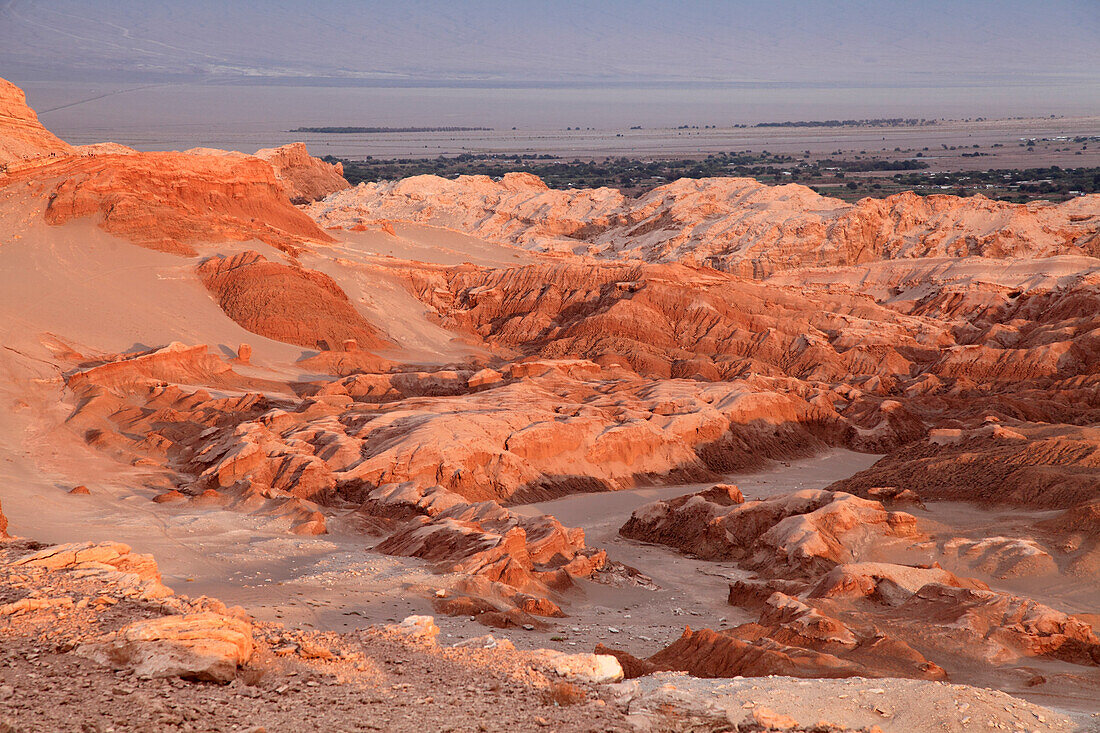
x,y
3,524
286,303
1042,467
733,224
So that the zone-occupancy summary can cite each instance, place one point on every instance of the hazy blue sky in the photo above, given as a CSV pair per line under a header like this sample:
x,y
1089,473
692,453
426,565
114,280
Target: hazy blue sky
x,y
853,43
235,74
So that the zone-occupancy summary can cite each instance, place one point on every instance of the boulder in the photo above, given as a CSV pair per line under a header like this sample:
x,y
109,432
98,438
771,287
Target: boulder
x,y
200,646
593,668
416,627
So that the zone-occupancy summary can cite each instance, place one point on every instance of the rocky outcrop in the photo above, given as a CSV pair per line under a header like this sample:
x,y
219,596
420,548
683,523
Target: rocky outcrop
x,y
134,575
1027,465
532,555
676,321
166,201
22,136
1002,557
175,362
201,646
801,534
3,524
173,201
993,627
590,668
1053,467
884,582
733,224
286,303
706,653
303,177
832,632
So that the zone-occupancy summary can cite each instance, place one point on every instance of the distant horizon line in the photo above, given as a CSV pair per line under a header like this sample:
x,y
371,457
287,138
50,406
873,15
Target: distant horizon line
x,y
1001,80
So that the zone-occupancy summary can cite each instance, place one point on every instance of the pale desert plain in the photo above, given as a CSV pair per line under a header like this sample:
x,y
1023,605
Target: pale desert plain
x,y
480,454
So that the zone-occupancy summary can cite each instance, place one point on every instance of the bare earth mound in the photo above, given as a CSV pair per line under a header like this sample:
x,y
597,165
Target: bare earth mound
x,y
286,303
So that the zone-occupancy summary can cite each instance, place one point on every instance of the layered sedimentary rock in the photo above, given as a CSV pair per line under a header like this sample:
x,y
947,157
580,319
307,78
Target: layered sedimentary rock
x,y
303,177
1036,466
734,224
675,321
172,201
1032,466
203,646
22,136
540,430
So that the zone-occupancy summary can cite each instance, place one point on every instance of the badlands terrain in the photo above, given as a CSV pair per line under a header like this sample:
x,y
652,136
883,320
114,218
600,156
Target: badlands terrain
x,y
486,455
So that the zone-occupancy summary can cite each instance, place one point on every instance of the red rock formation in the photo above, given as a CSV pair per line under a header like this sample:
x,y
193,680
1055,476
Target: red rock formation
x,y
3,524
884,582
706,653
909,632
733,224
548,436
200,646
995,627
1049,467
286,303
22,136
138,573
674,321
167,201
801,534
303,177
175,362
533,555
171,201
